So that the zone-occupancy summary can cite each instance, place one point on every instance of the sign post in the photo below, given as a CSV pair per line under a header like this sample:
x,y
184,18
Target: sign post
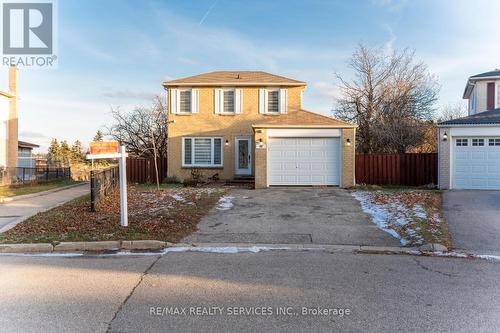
x,y
123,187
108,150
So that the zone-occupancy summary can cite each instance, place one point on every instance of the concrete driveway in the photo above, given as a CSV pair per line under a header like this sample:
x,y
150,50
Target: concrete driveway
x,y
291,216
473,219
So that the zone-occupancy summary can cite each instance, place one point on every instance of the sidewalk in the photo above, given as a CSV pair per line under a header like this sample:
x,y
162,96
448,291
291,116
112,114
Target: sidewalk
x,y
14,212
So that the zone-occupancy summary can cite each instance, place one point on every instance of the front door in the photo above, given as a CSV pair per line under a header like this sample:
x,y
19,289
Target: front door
x,y
243,156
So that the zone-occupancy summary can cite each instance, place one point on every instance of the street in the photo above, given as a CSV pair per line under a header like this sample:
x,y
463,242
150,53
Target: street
x,y
277,291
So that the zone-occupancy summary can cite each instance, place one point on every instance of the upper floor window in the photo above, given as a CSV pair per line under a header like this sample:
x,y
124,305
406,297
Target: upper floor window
x,y
228,101
498,96
183,101
273,101
472,102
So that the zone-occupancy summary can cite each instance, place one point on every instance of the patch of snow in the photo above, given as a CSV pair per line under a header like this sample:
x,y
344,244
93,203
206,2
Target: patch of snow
x,y
420,212
380,215
229,249
178,197
225,203
488,257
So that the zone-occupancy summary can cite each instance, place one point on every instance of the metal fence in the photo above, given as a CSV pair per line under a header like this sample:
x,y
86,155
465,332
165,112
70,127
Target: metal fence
x,y
102,183
20,175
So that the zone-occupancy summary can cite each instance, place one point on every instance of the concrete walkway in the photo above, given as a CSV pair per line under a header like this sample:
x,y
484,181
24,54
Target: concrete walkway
x,y
14,212
473,219
291,216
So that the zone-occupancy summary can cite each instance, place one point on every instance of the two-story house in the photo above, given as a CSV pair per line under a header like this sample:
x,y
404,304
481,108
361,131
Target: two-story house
x,y
233,124
469,147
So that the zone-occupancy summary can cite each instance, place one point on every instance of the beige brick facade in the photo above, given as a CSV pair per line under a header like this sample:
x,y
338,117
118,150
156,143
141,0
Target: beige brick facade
x,y
348,157
206,123
444,159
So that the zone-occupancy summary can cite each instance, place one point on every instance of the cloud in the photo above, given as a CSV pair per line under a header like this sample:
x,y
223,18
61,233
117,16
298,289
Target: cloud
x,y
32,135
326,90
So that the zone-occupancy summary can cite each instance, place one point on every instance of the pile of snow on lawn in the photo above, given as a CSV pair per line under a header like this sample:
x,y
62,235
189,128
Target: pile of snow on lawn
x,y
401,220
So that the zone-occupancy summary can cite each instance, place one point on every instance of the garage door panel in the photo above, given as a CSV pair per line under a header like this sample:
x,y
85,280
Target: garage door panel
x,y
304,161
476,167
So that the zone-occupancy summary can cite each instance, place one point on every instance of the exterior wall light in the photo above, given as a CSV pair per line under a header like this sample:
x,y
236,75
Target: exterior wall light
x,y
445,136
348,142
260,140
227,142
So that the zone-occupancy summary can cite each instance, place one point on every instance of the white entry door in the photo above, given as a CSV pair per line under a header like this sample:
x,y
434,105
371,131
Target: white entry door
x,y
243,156
476,163
304,161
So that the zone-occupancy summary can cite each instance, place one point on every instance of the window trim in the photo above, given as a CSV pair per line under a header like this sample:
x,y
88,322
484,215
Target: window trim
x,y
212,155
190,99
497,95
222,98
267,101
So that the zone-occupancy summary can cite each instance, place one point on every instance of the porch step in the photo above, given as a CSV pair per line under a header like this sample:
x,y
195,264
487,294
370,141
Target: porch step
x,y
241,180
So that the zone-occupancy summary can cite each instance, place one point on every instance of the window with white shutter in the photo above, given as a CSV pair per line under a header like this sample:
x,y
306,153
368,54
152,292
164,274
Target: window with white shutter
x,y
498,96
202,152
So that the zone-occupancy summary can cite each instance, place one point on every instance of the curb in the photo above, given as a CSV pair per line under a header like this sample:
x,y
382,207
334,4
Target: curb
x,y
38,194
142,245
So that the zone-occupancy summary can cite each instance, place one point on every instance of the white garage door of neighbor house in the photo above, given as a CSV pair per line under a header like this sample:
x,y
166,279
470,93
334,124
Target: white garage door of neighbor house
x,y
303,161
476,163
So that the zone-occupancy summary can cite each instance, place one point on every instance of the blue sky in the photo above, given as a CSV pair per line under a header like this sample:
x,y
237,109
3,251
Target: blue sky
x,y
117,53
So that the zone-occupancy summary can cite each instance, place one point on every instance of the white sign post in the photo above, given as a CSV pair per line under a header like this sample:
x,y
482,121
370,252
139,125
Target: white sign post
x,y
122,168
123,187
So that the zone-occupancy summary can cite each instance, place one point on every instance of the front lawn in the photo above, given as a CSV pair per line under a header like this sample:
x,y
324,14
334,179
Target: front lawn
x,y
168,215
413,216
21,189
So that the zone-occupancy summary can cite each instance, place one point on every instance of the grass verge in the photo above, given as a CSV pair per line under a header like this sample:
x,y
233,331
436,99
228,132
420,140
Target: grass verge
x,y
168,215
15,190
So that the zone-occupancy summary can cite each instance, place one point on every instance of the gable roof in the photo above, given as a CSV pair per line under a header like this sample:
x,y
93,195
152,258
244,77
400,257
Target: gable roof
x,y
482,118
482,76
303,119
234,78
24,144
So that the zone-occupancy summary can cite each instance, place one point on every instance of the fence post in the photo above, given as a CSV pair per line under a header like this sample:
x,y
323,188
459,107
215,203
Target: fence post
x,y
92,191
47,173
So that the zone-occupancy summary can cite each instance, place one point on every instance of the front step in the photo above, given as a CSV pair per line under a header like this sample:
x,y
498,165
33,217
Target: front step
x,y
241,180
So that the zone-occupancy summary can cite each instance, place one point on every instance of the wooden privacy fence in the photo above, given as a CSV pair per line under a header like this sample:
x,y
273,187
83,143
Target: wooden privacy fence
x,y
142,170
102,183
397,169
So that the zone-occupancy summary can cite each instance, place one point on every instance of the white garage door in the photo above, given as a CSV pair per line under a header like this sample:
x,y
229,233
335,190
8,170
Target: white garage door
x,y
303,161
476,163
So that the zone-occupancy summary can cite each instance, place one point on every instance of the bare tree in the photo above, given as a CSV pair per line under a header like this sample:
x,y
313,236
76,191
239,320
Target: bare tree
x,y
453,111
391,98
143,130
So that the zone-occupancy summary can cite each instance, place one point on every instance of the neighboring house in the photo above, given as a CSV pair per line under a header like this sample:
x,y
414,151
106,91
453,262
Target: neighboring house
x,y
469,147
25,154
237,124
8,122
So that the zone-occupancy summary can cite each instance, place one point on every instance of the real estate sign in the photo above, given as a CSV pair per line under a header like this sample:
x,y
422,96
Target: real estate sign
x,y
104,147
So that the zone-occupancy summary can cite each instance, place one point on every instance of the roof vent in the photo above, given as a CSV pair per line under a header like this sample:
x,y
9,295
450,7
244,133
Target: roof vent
x,y
238,76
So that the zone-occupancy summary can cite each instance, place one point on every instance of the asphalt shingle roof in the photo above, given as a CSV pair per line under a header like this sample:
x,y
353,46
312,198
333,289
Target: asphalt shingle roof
x,y
487,74
235,78
481,118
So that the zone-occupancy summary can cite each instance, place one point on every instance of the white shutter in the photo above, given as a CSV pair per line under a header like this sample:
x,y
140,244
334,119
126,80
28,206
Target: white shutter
x,y
238,101
194,100
217,100
262,100
283,101
173,101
